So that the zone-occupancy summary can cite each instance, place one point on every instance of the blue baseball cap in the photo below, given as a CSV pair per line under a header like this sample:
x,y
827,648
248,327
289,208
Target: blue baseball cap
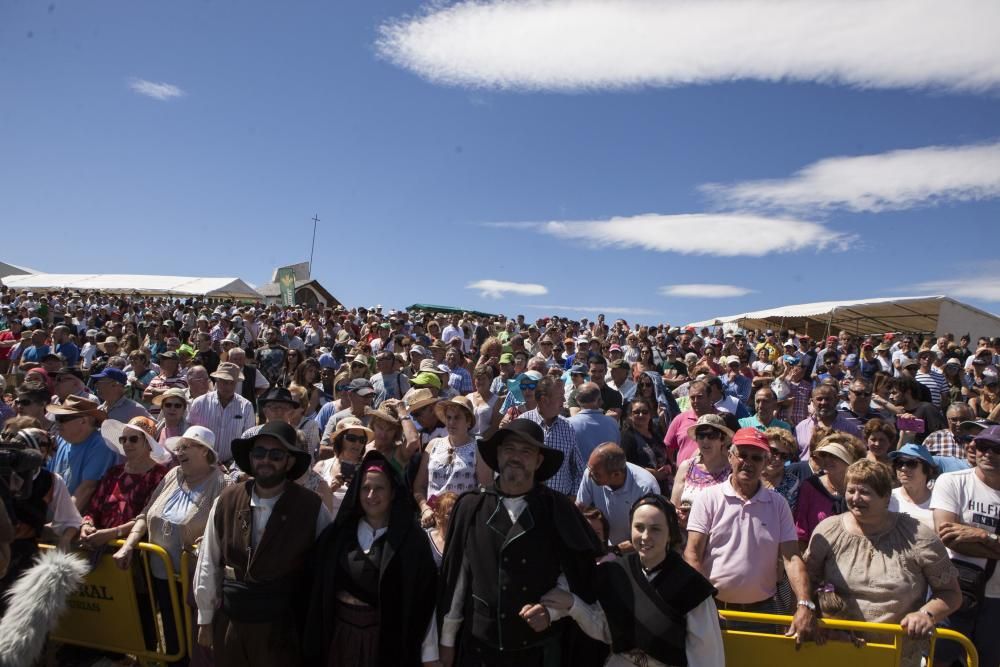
x,y
914,451
112,374
791,360
850,361
326,360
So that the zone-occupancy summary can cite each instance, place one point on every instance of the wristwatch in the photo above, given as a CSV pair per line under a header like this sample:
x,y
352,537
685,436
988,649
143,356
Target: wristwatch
x,y
808,604
993,537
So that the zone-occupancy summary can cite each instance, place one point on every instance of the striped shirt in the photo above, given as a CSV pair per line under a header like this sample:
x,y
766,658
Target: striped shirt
x,y
935,383
560,435
227,423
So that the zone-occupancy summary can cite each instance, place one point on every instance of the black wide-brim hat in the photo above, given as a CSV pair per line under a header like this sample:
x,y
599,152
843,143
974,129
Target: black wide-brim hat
x,y
284,434
528,431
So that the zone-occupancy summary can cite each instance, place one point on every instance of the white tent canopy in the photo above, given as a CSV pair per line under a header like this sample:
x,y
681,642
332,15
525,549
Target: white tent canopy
x,y
913,314
212,288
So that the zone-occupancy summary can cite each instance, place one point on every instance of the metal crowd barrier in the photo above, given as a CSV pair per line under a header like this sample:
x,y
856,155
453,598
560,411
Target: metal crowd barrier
x,y
105,614
753,649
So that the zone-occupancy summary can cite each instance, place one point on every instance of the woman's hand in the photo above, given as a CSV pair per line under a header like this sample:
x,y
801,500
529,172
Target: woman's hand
x,y
918,624
427,518
123,557
86,530
338,481
558,599
96,538
205,636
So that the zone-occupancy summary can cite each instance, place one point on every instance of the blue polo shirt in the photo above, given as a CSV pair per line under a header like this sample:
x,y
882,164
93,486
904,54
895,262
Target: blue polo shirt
x,y
70,352
615,504
86,461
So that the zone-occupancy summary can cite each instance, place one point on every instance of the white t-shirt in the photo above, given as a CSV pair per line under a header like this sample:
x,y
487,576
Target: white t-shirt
x,y
922,512
963,494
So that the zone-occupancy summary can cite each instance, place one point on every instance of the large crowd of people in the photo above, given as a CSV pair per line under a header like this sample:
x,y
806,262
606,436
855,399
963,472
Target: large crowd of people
x,y
368,486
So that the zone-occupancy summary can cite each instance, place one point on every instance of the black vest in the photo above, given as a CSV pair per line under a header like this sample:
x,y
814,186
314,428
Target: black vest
x,y
512,565
650,615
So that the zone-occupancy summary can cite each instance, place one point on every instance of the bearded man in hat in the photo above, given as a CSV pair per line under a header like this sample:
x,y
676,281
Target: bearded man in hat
x,y
259,536
508,545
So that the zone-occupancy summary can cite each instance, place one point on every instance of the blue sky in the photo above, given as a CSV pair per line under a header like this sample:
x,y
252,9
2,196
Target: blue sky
x,y
447,144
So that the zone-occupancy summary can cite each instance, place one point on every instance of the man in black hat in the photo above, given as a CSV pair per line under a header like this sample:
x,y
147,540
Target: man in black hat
x,y
259,536
507,546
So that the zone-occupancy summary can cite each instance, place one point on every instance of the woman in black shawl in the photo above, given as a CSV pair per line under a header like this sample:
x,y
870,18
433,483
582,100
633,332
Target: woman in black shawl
x,y
653,608
374,578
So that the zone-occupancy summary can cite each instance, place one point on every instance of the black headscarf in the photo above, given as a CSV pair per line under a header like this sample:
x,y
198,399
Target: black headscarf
x,y
407,582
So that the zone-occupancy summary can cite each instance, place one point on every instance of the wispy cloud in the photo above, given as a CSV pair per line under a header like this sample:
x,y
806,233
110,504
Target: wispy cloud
x,y
609,310
569,45
882,182
704,291
158,91
724,235
980,289
496,289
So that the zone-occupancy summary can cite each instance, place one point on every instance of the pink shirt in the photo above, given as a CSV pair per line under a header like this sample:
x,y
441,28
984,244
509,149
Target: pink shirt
x,y
744,539
677,439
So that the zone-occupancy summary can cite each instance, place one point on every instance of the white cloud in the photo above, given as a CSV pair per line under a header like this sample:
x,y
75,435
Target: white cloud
x,y
980,289
570,45
158,91
704,291
882,182
608,310
496,289
725,235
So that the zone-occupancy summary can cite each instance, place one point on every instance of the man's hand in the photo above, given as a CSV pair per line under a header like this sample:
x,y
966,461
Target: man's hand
x,y
625,547
446,654
205,636
803,626
536,616
123,557
958,533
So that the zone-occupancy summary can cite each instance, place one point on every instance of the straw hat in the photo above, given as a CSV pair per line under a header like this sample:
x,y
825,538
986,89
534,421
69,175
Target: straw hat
x,y
352,424
228,371
459,401
112,430
108,341
383,414
75,405
420,398
713,420
173,392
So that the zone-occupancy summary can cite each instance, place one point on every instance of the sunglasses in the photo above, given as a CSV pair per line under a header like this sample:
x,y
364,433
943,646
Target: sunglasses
x,y
529,385
707,433
131,439
261,453
905,463
173,406
987,448
25,401
778,454
863,394
640,412
342,387
65,419
755,458
350,437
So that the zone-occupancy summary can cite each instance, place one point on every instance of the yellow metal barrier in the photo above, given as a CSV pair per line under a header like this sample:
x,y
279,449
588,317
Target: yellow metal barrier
x,y
104,614
753,649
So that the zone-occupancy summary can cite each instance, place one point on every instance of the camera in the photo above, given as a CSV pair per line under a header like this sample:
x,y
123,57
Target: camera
x,y
18,467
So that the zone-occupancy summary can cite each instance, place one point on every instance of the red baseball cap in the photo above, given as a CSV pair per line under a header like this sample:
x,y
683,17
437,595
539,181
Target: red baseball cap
x,y
831,339
751,437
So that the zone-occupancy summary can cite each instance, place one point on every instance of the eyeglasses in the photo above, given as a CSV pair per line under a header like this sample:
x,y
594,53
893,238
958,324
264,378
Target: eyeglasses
x,y
746,456
261,453
529,385
131,439
778,454
173,406
905,463
987,448
707,433
350,437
